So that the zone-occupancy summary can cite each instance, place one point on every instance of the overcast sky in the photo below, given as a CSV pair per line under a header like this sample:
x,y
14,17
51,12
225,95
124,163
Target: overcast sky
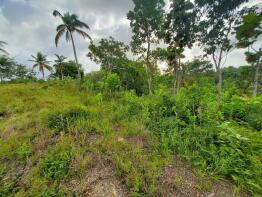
x,y
28,26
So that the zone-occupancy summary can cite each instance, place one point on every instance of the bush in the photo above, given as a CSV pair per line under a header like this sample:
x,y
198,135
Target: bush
x,y
254,112
111,83
132,107
194,129
55,164
103,81
62,121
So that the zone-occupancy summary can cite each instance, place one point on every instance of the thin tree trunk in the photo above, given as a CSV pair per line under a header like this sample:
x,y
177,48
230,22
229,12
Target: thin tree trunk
x,y
43,73
76,60
149,72
175,76
256,80
178,74
61,71
218,72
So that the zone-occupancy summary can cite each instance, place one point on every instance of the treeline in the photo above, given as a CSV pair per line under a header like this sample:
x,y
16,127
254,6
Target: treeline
x,y
211,25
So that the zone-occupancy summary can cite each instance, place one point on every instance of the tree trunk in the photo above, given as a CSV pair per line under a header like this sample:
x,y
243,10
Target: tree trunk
x,y
175,76
217,62
220,80
76,60
256,80
149,72
43,73
178,74
62,74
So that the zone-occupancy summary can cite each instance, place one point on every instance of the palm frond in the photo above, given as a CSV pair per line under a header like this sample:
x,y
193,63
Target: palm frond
x,y
4,51
68,37
60,27
58,36
47,67
84,34
57,13
3,43
78,23
35,65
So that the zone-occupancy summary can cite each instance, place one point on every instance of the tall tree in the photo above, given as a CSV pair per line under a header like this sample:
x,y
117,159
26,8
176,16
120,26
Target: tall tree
x,y
217,20
41,62
21,72
71,24
247,34
180,33
70,69
2,43
6,68
146,20
107,52
59,64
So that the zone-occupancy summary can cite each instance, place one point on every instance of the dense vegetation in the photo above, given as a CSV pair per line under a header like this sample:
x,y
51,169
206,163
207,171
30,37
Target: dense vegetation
x,y
132,116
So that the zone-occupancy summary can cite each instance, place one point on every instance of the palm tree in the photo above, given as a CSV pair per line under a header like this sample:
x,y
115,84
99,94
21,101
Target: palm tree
x,y
70,24
41,62
2,43
60,64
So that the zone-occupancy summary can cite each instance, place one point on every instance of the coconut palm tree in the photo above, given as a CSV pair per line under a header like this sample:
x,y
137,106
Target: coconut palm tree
x,y
70,24
59,64
2,43
41,62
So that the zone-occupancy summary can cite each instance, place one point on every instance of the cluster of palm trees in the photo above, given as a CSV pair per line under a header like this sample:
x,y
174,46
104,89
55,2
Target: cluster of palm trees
x,y
70,25
42,63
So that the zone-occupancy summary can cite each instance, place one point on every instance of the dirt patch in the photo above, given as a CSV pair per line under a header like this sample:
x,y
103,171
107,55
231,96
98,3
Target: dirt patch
x,y
139,142
178,180
100,181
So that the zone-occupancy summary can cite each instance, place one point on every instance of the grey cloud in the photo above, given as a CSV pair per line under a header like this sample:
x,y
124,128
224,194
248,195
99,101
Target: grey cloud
x,y
28,26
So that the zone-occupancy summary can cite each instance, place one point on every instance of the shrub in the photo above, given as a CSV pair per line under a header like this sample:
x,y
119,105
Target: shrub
x,y
132,107
254,113
103,81
62,121
55,164
111,83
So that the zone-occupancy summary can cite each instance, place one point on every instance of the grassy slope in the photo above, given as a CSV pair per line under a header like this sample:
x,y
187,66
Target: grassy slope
x,y
52,136
39,160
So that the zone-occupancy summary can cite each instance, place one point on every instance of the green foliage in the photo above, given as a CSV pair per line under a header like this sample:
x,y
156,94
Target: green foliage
x,y
5,68
254,110
197,128
145,20
217,21
104,81
2,43
111,83
249,30
180,35
132,107
69,70
40,61
55,164
62,121
137,135
108,51
10,70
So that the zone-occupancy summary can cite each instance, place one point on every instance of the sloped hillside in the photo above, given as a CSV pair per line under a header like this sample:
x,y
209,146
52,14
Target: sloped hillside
x,y
58,141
